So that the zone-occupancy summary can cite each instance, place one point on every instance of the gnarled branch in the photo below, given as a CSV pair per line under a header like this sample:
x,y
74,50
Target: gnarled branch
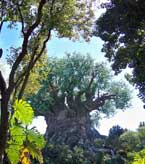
x,y
98,102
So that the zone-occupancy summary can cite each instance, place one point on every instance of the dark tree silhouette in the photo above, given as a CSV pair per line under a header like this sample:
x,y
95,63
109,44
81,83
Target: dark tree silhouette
x,y
121,28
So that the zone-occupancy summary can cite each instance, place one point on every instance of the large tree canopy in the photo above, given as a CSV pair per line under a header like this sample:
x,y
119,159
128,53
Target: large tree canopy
x,y
76,83
37,20
67,17
121,28
74,87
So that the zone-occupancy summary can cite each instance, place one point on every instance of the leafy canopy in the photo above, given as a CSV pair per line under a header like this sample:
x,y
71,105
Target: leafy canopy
x,y
78,84
67,17
121,28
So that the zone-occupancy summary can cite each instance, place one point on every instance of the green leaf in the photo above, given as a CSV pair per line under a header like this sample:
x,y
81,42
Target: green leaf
x,y
17,134
23,112
35,137
13,153
35,152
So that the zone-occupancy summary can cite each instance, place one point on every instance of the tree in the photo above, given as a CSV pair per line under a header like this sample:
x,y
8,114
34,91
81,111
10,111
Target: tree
x,y
74,87
116,131
112,140
121,28
37,20
130,141
132,144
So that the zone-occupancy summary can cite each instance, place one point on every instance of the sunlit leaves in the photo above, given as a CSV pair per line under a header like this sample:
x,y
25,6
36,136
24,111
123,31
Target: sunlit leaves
x,y
36,138
23,142
17,138
70,18
139,157
13,153
23,112
129,141
17,134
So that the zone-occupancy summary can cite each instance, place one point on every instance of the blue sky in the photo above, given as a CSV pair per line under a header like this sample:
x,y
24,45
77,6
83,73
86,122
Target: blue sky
x,y
8,38
57,47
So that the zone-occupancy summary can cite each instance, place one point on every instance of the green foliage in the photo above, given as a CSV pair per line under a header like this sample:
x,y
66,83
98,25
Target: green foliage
x,y
129,141
121,28
113,139
131,145
67,17
99,142
77,79
36,138
23,112
139,157
116,131
20,136
62,154
33,83
123,96
127,145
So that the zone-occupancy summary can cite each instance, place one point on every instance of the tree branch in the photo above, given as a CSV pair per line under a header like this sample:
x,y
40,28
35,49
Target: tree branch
x,y
32,63
87,91
43,46
2,14
39,16
22,19
24,46
98,102
26,78
1,24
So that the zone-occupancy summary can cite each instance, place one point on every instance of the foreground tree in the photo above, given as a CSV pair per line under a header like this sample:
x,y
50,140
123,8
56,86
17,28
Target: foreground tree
x,y
121,28
74,87
36,20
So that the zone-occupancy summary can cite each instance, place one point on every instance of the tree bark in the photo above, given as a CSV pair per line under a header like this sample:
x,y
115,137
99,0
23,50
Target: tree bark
x,y
3,126
4,115
71,124
70,130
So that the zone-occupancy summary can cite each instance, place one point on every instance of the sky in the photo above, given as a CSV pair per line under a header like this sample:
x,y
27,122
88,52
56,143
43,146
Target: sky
x,y
57,47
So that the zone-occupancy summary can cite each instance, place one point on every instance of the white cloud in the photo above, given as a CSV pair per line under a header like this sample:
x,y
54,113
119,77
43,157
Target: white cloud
x,y
40,124
129,119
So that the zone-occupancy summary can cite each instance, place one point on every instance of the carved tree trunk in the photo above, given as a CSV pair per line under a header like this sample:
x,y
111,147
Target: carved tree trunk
x,y
69,129
70,124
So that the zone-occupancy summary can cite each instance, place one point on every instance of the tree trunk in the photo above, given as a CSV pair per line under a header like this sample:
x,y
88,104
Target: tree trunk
x,y
3,125
70,130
